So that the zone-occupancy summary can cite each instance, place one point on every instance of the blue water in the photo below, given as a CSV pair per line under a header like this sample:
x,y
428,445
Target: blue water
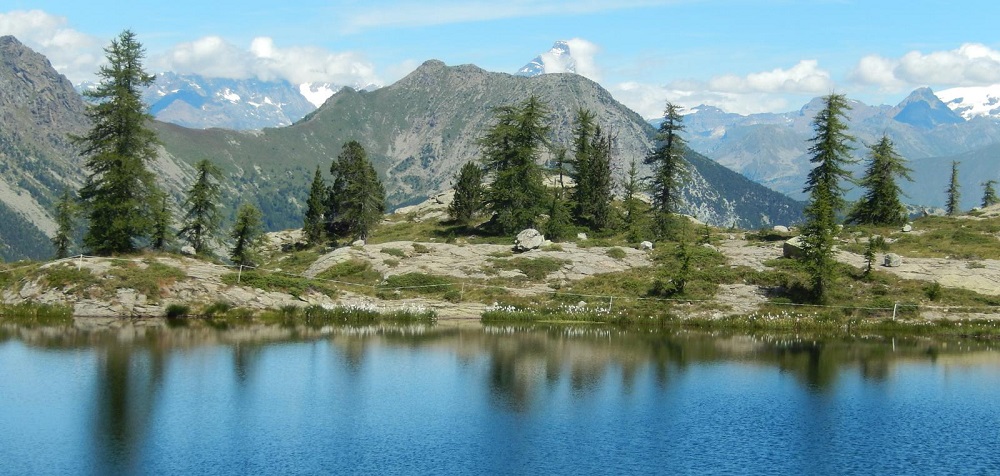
x,y
494,401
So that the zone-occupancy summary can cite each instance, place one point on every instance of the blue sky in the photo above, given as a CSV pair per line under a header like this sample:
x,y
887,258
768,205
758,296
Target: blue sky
x,y
743,56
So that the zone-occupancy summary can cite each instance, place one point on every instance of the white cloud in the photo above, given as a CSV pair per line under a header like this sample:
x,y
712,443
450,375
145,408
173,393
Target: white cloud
x,y
971,64
581,59
766,91
213,56
74,54
415,13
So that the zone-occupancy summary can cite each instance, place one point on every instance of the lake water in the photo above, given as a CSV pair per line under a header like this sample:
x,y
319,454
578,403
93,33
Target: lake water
x,y
450,399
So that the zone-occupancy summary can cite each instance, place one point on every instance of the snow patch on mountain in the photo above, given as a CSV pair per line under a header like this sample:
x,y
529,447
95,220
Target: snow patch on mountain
x,y
317,93
973,101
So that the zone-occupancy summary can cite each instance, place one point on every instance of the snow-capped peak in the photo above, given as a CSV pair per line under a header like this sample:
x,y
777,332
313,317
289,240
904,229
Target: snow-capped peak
x,y
316,93
557,60
973,101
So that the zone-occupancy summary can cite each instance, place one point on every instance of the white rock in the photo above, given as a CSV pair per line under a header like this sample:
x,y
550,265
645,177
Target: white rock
x,y
528,240
188,250
780,228
645,245
581,236
793,248
907,228
358,243
892,260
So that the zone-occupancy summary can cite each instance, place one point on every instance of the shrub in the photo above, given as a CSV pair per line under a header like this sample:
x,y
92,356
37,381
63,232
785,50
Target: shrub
x,y
534,268
617,253
177,310
933,291
419,248
394,252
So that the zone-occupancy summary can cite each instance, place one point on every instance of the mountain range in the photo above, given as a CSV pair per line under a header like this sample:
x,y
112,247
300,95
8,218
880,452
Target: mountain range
x,y
418,132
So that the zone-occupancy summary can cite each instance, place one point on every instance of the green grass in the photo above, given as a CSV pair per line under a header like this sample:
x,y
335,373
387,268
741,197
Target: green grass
x,y
276,282
616,253
352,271
295,262
36,314
394,252
411,284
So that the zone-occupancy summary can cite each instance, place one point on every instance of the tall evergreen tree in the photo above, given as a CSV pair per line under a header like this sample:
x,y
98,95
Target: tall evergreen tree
x,y
600,182
669,168
65,215
583,143
116,150
631,187
312,223
989,193
511,149
881,204
247,235
160,236
357,198
469,193
830,154
202,218
951,206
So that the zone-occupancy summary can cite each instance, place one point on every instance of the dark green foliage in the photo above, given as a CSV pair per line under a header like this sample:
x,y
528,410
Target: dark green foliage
x,y
591,172
830,154
247,235
174,311
881,204
357,199
951,205
511,150
875,243
989,193
669,168
559,226
469,194
202,218
160,237
65,214
635,223
312,223
117,149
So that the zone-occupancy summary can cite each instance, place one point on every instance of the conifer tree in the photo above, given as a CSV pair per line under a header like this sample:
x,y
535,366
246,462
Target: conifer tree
x,y
511,150
160,236
117,149
599,182
312,223
669,168
631,187
357,198
951,207
247,235
990,194
830,154
583,142
469,193
65,220
881,204
202,218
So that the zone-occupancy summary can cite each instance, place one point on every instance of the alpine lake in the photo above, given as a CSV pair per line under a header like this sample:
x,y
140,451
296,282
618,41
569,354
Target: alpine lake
x,y
150,397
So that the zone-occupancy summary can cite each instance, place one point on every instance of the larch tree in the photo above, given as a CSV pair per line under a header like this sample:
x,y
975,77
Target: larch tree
x,y
881,203
990,193
312,222
357,198
65,215
633,206
951,205
469,193
247,235
669,169
160,237
202,217
511,149
830,155
117,149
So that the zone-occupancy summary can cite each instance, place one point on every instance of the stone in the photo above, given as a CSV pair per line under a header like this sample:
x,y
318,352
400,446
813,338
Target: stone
x,y
645,245
907,228
358,243
892,260
793,248
581,236
188,250
709,246
528,239
780,229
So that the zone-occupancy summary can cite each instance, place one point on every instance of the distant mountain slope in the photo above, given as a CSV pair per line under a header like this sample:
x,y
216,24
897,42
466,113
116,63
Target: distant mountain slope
x,y
772,149
933,174
420,130
38,109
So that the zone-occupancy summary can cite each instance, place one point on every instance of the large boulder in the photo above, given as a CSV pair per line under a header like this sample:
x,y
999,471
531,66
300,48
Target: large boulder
x,y
892,260
793,248
646,245
528,240
780,228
